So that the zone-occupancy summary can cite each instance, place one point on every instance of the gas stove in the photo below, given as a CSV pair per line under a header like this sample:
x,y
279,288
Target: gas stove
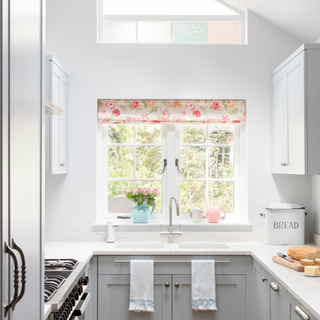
x,y
66,288
60,264
51,285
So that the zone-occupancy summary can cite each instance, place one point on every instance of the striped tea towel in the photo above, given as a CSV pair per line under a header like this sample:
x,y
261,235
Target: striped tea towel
x,y
203,285
141,286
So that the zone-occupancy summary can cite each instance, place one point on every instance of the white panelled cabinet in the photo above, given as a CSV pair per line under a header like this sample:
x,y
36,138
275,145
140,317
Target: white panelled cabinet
x,y
57,92
295,113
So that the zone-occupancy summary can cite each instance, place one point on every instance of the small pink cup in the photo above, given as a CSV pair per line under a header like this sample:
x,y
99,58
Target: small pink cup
x,y
214,214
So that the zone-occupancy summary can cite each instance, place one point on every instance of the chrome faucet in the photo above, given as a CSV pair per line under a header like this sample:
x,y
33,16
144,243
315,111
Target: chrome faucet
x,y
170,233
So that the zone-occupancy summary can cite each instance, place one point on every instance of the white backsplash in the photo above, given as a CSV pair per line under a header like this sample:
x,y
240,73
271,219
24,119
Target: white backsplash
x,y
215,237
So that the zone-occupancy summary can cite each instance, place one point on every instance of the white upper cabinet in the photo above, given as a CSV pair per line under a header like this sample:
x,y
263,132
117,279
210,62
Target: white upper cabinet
x,y
295,113
57,86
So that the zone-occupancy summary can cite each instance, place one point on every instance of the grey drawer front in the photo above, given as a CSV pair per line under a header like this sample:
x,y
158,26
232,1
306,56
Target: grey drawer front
x,y
107,265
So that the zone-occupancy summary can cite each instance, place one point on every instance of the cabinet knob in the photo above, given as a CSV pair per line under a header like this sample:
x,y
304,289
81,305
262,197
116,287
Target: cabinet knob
x,y
284,164
167,284
274,286
62,164
177,284
301,313
264,279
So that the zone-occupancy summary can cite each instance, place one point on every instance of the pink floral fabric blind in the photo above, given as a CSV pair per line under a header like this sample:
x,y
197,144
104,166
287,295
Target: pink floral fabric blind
x,y
172,111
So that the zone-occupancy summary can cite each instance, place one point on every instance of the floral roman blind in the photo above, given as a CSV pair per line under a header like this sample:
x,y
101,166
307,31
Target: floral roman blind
x,y
172,111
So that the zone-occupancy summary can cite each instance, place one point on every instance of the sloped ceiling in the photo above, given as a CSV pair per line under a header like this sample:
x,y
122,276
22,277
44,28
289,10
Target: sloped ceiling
x,y
300,18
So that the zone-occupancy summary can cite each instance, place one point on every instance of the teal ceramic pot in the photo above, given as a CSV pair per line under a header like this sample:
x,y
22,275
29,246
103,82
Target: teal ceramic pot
x,y
141,214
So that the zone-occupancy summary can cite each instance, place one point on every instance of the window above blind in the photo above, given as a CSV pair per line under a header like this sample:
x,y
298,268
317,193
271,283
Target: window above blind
x,y
174,21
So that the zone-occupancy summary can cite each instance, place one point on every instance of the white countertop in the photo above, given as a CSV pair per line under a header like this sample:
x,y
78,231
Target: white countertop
x,y
306,290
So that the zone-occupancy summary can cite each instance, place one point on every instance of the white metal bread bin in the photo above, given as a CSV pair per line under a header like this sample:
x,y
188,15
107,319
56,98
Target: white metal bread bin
x,y
284,224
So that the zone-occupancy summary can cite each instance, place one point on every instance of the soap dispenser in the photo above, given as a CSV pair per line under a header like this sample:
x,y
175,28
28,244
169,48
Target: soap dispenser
x,y
111,232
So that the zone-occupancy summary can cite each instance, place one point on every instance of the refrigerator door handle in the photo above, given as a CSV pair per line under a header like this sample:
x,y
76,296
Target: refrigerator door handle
x,y
23,272
16,278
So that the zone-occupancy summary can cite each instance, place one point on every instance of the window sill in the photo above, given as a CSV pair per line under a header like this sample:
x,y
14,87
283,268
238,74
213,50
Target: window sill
x,y
154,226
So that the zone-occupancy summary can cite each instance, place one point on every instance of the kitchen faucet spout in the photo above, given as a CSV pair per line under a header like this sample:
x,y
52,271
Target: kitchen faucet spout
x,y
170,234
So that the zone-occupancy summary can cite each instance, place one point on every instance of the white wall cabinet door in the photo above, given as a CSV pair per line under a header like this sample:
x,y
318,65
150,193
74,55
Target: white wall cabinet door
x,y
57,125
278,120
295,97
296,153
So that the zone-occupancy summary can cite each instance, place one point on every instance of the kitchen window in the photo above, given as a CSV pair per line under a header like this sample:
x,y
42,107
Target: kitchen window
x,y
169,21
209,158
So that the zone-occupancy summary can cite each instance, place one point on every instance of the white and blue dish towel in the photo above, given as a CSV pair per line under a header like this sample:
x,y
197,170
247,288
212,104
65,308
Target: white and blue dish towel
x,y
203,285
141,286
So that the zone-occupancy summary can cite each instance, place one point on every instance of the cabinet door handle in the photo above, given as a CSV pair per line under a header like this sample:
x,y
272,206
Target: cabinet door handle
x,y
15,281
167,284
62,164
301,313
177,284
274,286
23,272
264,279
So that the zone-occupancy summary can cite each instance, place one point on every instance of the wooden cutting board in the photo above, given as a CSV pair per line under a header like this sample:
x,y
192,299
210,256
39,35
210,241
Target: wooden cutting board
x,y
294,266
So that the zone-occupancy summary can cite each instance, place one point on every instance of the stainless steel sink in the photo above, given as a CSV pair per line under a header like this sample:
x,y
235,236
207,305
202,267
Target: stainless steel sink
x,y
203,246
139,245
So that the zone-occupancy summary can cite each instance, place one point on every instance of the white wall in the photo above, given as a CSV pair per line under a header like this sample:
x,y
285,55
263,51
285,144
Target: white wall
x,y
154,72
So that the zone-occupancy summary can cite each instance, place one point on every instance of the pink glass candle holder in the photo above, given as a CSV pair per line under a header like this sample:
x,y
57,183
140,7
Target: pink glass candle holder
x,y
214,214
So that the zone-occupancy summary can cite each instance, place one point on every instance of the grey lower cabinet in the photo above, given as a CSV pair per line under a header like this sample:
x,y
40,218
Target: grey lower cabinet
x,y
271,301
293,306
172,289
231,300
113,293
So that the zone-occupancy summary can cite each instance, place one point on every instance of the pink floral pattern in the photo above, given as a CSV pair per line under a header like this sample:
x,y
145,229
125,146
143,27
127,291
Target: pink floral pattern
x,y
172,111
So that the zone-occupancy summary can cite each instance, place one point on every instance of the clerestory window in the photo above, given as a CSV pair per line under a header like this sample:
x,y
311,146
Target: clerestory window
x,y
169,21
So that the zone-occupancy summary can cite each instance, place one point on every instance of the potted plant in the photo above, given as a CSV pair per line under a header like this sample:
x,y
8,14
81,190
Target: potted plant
x,y
143,198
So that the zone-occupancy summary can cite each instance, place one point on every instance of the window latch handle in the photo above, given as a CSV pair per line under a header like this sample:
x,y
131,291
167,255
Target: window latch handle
x,y
164,167
177,165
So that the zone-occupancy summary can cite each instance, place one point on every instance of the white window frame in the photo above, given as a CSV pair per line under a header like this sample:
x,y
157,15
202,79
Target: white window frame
x,y
171,151
169,18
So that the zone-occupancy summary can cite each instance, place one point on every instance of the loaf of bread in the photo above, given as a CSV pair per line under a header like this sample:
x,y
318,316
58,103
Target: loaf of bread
x,y
299,253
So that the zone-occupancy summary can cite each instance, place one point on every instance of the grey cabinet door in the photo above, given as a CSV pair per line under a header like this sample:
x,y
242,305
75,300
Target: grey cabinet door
x,y
230,296
114,295
261,292
293,303
278,301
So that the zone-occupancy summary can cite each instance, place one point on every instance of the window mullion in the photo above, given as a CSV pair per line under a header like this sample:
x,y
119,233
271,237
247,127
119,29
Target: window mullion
x,y
134,156
207,167
172,188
